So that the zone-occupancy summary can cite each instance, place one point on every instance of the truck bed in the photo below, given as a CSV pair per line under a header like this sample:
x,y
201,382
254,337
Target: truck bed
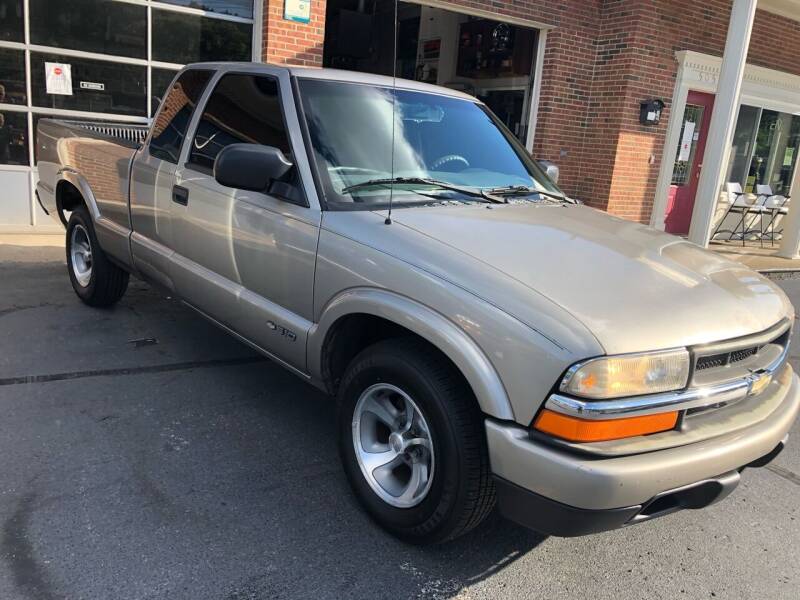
x,y
94,156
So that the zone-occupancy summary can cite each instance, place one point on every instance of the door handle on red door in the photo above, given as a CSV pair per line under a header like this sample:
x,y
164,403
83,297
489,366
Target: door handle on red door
x,y
180,195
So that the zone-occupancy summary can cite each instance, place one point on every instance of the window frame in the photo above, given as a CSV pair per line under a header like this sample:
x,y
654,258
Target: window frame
x,y
211,87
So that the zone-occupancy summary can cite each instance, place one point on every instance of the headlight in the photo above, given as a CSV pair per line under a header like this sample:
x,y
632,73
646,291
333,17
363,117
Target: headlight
x,y
628,375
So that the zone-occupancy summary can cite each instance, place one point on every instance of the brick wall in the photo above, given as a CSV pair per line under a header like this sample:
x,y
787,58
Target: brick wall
x,y
636,45
287,42
602,58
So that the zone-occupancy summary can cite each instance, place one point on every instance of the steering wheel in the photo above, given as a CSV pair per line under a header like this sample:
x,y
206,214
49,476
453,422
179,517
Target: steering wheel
x,y
443,160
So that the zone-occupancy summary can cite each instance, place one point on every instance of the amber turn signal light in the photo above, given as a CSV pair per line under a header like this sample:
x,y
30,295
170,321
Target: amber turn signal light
x,y
584,430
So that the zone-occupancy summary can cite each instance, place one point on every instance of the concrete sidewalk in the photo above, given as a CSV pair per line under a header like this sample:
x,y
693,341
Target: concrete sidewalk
x,y
754,256
31,247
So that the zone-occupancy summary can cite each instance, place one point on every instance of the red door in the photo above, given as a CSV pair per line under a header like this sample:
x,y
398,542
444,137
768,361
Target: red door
x,y
688,162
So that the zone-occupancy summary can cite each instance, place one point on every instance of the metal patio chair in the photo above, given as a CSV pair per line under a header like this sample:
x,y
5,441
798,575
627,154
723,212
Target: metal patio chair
x,y
777,205
738,204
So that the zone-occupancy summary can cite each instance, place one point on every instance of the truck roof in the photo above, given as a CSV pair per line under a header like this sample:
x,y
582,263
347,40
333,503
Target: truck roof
x,y
340,75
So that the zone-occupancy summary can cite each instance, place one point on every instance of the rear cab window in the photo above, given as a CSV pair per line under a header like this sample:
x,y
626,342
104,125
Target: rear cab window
x,y
172,121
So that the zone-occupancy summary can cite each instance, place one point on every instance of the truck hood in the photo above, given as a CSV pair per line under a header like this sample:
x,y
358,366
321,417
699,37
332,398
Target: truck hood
x,y
634,288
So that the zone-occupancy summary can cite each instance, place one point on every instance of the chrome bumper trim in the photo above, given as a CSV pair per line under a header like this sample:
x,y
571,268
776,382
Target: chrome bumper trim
x,y
724,393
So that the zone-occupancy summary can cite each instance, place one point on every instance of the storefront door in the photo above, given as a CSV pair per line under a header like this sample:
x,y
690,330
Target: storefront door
x,y
688,162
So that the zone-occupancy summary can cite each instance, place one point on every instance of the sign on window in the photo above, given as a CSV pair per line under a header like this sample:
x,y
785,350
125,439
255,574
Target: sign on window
x,y
686,142
58,77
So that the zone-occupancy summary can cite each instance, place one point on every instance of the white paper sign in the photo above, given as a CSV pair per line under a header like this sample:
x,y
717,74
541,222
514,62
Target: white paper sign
x,y
59,78
298,11
686,142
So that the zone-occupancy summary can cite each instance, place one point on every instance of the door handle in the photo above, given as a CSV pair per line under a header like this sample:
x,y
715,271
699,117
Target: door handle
x,y
180,195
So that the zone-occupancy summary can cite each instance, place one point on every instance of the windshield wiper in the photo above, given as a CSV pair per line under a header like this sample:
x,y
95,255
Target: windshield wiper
x,y
474,193
524,190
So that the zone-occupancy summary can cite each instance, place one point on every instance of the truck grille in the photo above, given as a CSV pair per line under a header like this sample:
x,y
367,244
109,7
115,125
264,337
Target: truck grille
x,y
733,359
725,358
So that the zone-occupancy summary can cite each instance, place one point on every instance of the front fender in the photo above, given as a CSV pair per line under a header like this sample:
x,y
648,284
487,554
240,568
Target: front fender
x,y
428,324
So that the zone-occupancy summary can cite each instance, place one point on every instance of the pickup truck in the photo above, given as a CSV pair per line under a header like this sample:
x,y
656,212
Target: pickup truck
x,y
489,341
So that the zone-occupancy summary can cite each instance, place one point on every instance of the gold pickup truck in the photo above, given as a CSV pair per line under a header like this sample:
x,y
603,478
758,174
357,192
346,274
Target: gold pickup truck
x,y
489,341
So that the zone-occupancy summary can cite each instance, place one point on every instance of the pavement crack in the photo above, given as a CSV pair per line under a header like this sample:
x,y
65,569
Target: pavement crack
x,y
785,473
18,308
180,366
29,575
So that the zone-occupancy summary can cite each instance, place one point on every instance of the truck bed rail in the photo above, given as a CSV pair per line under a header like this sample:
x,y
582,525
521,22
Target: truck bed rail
x,y
130,132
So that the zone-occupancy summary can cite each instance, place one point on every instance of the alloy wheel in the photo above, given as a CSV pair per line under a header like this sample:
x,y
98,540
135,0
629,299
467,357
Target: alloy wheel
x,y
393,445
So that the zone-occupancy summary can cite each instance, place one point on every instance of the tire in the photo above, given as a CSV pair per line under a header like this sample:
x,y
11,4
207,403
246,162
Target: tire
x,y
459,492
96,280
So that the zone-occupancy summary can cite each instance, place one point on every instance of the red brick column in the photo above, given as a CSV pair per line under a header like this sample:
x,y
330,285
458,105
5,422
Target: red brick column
x,y
287,42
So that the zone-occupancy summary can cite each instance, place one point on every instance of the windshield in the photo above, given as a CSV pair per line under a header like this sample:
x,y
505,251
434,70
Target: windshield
x,y
437,138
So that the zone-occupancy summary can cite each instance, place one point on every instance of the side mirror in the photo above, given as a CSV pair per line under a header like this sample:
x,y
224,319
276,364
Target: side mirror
x,y
250,166
551,169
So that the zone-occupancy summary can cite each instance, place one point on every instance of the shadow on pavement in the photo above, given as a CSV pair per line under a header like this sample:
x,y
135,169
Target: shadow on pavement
x,y
211,481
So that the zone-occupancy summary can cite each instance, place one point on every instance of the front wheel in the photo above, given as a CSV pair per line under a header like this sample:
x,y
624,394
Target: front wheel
x,y
412,441
96,280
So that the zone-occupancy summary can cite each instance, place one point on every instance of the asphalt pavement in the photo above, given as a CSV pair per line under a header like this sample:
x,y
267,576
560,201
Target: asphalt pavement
x,y
146,454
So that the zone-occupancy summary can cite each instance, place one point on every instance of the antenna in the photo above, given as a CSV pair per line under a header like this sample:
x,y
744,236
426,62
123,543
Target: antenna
x,y
388,220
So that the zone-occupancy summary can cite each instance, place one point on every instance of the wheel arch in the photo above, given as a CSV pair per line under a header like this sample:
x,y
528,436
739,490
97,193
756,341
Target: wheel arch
x,y
359,317
72,189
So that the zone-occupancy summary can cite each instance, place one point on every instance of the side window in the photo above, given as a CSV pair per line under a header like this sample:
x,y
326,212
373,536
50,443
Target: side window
x,y
169,127
241,109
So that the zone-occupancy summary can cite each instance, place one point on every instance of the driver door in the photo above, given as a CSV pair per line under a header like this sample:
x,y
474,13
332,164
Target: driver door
x,y
246,259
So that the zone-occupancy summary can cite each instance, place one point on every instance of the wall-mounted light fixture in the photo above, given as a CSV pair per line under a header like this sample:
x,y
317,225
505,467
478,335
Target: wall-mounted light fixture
x,y
650,111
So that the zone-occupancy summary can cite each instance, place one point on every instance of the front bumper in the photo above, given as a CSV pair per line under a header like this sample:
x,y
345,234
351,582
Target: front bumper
x,y
536,482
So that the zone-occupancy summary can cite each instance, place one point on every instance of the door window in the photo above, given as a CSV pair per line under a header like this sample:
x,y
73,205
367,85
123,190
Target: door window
x,y
242,109
169,127
687,148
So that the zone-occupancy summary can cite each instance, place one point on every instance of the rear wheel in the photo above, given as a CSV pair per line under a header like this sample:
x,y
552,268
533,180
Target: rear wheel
x,y
96,280
412,441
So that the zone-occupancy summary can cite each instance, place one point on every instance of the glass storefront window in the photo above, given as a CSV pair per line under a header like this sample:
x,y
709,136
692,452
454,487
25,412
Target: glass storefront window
x,y
13,138
101,26
238,8
742,148
776,151
182,38
97,86
12,77
765,148
159,82
110,28
11,21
